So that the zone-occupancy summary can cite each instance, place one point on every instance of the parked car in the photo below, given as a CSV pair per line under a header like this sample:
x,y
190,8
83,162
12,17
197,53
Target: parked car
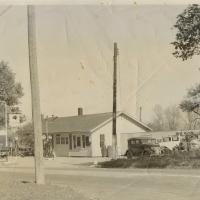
x,y
25,151
4,152
141,146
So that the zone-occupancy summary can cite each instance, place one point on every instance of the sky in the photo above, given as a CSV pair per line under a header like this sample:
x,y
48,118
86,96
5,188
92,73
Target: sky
x,y
75,57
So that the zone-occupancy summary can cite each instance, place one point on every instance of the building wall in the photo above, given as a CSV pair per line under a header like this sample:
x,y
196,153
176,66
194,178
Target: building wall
x,y
125,130
63,150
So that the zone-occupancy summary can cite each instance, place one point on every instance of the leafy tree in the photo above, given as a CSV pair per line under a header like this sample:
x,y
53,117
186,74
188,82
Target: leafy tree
x,y
187,42
10,90
187,45
191,103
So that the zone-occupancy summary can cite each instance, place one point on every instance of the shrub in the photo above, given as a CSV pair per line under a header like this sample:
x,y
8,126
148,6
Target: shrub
x,y
176,159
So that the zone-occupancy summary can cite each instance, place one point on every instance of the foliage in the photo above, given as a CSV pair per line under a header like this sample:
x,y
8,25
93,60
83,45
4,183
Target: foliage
x,y
191,102
25,135
187,41
166,119
10,90
180,159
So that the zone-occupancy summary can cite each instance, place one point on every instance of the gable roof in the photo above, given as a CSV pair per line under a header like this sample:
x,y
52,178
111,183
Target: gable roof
x,y
84,123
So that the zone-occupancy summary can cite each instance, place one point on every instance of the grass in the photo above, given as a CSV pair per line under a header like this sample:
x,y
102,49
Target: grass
x,y
175,160
14,187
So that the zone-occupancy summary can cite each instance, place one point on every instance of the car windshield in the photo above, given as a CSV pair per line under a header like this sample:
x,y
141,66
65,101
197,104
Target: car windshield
x,y
148,141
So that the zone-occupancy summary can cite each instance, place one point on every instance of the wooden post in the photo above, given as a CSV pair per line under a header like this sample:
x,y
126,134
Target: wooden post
x,y
114,127
36,114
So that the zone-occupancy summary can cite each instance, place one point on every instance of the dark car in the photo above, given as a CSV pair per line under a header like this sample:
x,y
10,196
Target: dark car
x,y
4,152
25,151
141,146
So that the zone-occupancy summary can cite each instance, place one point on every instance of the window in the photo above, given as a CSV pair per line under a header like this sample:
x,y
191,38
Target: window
x,y
166,139
70,141
153,141
102,140
87,140
159,140
132,141
74,140
67,140
78,141
62,140
137,141
175,138
83,140
57,139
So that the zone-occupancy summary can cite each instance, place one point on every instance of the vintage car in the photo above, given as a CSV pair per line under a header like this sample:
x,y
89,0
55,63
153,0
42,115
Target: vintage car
x,y
4,152
141,146
25,151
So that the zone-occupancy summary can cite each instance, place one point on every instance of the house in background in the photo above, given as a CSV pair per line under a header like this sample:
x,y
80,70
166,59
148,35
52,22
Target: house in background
x,y
89,135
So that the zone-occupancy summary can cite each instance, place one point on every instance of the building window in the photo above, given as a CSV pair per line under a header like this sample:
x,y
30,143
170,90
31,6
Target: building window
x,y
70,141
175,138
78,141
62,140
87,141
166,139
74,140
57,139
83,140
67,140
102,140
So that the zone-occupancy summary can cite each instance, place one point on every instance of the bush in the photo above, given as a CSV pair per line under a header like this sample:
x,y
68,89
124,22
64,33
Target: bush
x,y
176,159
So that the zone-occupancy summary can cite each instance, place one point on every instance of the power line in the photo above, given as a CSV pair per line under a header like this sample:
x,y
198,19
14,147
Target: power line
x,y
5,10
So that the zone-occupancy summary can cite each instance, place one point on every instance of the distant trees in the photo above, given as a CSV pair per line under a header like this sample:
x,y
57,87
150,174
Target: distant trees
x,y
172,118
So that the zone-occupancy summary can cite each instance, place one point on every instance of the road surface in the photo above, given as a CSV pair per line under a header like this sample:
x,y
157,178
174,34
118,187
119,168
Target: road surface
x,y
114,184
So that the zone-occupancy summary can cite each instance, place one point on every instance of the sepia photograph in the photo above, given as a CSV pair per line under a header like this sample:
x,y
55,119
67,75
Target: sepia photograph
x,y
99,100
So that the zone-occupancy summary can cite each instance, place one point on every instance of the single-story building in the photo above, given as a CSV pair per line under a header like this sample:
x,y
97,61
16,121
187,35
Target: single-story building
x,y
89,135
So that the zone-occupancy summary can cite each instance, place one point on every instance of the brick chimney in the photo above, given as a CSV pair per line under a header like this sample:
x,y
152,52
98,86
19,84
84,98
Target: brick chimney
x,y
80,111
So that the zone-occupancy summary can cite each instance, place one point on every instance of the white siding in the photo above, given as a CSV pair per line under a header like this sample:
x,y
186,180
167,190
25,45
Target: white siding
x,y
125,130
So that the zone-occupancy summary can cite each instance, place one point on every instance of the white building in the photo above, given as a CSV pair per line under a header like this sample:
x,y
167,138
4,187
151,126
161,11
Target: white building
x,y
90,135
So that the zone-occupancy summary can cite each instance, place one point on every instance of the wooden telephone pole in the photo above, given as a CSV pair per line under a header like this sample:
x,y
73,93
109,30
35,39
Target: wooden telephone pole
x,y
36,114
114,127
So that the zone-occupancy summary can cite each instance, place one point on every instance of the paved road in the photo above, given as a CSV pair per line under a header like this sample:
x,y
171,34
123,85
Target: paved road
x,y
118,184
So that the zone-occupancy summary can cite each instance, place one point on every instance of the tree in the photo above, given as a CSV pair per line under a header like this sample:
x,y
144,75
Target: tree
x,y
187,42
10,90
187,45
157,123
166,119
26,136
172,117
191,102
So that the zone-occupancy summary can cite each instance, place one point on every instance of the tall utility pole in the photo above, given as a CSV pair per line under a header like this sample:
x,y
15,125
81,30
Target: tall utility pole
x,y
114,128
36,114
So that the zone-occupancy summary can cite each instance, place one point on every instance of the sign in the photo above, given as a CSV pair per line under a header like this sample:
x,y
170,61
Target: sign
x,y
14,120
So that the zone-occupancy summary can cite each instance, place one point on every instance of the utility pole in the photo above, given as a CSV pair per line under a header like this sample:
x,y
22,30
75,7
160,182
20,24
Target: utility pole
x,y
140,113
36,114
114,127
